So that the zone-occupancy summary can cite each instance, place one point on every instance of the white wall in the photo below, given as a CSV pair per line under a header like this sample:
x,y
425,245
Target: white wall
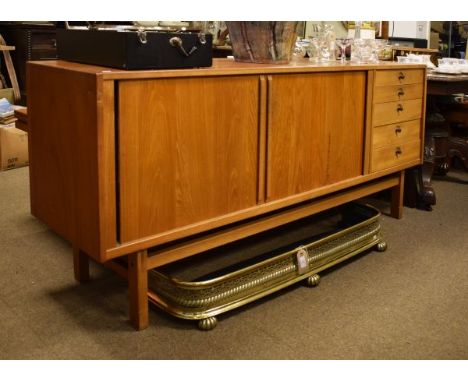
x,y
409,29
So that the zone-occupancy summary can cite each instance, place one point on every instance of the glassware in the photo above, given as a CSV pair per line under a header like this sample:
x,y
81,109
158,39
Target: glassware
x,y
384,50
343,44
321,52
363,51
375,46
301,48
329,39
322,46
402,59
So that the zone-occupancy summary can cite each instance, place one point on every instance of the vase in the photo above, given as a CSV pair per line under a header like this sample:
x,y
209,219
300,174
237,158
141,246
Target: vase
x,y
266,42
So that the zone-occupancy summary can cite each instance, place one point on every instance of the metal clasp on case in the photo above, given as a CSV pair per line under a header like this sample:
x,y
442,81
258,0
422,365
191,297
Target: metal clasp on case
x,y
142,36
202,38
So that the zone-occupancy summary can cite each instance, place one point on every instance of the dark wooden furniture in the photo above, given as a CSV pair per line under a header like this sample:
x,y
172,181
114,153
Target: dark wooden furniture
x,y
441,145
457,145
138,169
454,114
32,42
446,84
456,117
22,119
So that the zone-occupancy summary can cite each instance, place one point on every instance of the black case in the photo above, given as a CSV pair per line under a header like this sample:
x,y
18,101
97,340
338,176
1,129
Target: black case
x,y
125,50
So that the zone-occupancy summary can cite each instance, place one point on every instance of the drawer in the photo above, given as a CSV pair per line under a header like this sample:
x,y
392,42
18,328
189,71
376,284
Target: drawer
x,y
396,133
393,112
397,92
395,155
398,77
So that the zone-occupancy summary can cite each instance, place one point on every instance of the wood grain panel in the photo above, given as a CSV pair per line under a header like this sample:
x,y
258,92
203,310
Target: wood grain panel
x,y
188,151
393,112
107,165
243,230
395,155
228,67
368,123
64,139
396,133
315,132
261,189
138,289
399,77
397,92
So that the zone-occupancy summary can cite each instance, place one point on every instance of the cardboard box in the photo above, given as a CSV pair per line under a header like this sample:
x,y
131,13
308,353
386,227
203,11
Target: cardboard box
x,y
434,42
13,147
8,94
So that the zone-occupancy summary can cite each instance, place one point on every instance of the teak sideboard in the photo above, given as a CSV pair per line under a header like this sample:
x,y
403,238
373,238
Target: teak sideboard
x,y
138,169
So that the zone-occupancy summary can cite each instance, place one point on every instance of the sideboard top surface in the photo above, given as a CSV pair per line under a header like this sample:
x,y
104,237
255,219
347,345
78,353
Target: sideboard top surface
x,y
222,67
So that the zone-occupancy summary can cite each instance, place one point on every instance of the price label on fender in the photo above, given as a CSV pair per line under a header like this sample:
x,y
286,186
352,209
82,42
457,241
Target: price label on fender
x,y
302,263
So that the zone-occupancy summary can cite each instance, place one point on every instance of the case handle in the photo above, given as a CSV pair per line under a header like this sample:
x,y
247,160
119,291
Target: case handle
x,y
177,43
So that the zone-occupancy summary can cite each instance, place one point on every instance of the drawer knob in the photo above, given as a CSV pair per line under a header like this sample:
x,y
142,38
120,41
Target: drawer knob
x,y
398,151
401,92
399,108
401,76
397,130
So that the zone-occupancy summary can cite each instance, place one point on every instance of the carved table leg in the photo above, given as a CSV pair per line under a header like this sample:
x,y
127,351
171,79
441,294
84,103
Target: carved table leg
x,y
441,165
420,192
80,265
427,195
435,152
138,289
458,148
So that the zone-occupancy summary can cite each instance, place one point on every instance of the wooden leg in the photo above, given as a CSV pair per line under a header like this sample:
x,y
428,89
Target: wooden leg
x,y
138,289
396,209
80,265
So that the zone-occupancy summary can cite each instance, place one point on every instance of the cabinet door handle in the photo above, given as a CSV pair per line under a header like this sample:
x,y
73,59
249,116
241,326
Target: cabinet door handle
x,y
401,76
399,108
398,151
401,92
397,130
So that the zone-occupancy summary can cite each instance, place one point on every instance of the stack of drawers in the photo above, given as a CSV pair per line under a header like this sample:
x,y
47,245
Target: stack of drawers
x,y
396,118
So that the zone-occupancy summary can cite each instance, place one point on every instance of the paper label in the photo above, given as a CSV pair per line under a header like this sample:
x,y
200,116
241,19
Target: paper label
x,y
302,263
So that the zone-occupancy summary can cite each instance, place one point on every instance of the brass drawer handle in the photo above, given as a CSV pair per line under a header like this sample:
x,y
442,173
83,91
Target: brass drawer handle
x,y
401,76
401,92
398,130
399,108
398,151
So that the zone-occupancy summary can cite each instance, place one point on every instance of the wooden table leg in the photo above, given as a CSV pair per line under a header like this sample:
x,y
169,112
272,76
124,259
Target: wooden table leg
x,y
396,209
80,265
138,289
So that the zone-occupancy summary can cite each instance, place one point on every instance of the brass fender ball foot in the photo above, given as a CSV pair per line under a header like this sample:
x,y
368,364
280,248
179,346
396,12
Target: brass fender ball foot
x,y
381,246
313,280
207,323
